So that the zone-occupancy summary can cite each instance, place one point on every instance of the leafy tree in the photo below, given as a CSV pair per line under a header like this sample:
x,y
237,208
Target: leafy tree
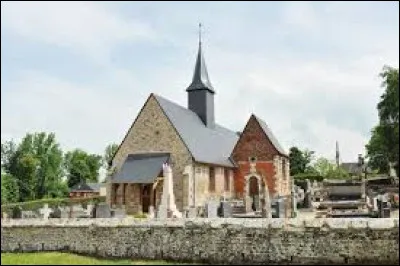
x,y
8,149
9,188
81,167
328,169
109,153
300,161
36,165
383,146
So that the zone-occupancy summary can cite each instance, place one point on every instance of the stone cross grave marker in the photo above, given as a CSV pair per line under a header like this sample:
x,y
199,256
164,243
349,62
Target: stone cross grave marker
x,y
45,211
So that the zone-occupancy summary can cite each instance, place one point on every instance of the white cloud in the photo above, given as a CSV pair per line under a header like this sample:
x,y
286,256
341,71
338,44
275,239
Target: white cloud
x,y
86,27
308,102
300,15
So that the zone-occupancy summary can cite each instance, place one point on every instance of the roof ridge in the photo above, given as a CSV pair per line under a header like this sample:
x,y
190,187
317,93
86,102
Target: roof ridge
x,y
267,130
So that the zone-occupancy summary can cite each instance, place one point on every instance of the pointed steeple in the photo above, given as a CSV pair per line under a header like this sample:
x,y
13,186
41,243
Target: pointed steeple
x,y
200,80
201,92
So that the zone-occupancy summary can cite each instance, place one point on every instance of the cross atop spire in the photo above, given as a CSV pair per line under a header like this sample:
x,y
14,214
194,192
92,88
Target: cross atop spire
x,y
199,33
200,79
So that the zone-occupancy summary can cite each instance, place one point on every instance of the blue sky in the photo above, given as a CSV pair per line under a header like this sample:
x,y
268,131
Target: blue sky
x,y
84,69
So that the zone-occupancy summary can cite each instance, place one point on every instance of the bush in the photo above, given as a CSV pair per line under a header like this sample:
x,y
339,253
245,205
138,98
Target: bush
x,y
140,216
310,177
55,202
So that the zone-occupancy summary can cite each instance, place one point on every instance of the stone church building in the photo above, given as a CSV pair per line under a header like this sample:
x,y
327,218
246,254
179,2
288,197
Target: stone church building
x,y
208,160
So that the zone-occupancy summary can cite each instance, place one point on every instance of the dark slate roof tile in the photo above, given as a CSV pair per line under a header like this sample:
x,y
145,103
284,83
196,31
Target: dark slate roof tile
x,y
141,168
207,145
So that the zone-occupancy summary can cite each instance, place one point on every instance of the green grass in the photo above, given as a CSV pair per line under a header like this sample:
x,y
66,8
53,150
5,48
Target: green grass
x,y
58,258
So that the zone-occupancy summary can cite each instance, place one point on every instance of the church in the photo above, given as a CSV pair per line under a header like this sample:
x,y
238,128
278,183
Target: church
x,y
208,161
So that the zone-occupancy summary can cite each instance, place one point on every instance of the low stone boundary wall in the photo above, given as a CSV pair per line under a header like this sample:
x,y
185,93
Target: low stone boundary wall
x,y
225,241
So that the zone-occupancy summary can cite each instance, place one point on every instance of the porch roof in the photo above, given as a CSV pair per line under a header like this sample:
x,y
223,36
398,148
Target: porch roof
x,y
141,168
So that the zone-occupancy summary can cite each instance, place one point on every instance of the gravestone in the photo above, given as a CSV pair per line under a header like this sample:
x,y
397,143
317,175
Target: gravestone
x,y
89,210
16,213
119,213
64,212
79,212
103,211
278,206
293,201
192,212
308,194
212,209
383,206
56,213
225,209
45,211
28,214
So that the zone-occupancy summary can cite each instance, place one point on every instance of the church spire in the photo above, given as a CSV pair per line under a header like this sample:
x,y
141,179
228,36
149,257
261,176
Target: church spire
x,y
200,79
201,92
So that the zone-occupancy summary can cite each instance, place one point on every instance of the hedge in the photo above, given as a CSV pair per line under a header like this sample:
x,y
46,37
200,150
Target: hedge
x,y
53,202
310,177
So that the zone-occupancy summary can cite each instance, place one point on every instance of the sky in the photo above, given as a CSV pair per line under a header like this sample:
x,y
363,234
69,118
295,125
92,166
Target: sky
x,y
83,70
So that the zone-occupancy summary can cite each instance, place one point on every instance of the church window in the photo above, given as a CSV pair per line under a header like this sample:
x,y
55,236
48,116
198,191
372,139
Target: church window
x,y
211,184
226,179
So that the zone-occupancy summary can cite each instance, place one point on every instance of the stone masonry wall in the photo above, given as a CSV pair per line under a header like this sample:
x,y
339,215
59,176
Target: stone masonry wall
x,y
228,241
153,132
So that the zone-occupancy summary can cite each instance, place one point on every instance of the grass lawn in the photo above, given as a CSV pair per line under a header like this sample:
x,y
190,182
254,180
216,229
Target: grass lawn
x,y
58,258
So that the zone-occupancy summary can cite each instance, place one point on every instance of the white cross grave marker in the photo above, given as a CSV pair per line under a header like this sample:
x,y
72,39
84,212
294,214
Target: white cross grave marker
x,y
45,211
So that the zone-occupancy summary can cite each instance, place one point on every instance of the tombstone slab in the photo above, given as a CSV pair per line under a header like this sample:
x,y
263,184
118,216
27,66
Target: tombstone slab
x,y
212,209
192,212
119,213
103,211
45,211
226,209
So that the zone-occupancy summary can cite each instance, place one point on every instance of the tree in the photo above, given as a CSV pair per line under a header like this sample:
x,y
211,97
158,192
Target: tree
x,y
109,153
383,146
9,188
81,167
328,169
300,161
36,165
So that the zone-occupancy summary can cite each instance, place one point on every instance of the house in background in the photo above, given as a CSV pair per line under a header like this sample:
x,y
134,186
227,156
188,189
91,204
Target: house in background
x,y
87,190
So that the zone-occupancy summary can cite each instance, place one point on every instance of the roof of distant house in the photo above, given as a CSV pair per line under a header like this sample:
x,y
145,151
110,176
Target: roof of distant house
x,y
83,186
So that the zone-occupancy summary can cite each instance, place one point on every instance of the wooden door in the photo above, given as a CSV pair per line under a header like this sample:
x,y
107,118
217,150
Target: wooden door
x,y
146,191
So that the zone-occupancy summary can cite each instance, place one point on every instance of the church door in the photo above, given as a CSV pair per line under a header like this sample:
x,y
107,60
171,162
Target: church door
x,y
146,193
254,193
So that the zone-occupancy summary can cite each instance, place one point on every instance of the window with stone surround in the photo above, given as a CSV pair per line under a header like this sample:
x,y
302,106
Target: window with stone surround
x,y
227,179
211,183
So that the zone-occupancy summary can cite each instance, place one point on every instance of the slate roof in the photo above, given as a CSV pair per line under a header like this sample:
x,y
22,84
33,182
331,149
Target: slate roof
x,y
94,187
141,168
271,136
207,145
200,76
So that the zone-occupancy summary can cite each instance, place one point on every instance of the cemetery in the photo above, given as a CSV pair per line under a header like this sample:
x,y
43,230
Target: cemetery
x,y
216,235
